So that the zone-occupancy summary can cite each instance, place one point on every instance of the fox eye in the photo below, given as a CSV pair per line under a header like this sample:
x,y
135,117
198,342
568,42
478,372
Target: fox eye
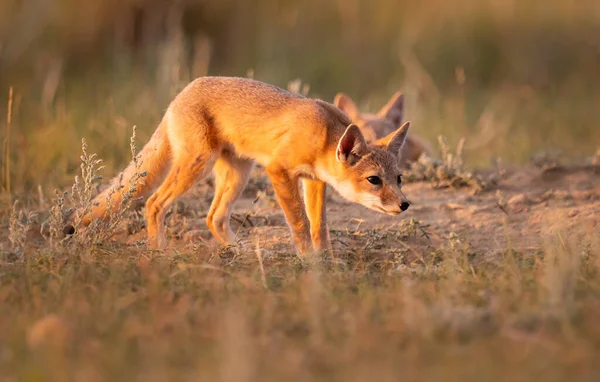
x,y
374,180
399,179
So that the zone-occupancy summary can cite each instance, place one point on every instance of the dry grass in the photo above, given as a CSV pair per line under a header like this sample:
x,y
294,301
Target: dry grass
x,y
122,313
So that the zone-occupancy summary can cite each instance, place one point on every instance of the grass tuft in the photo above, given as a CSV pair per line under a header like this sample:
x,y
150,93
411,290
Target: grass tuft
x,y
447,172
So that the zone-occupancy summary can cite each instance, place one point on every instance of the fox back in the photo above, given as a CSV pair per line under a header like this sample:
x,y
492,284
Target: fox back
x,y
257,120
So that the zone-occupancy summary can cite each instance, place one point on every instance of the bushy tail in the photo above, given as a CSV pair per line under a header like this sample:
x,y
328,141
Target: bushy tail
x,y
153,161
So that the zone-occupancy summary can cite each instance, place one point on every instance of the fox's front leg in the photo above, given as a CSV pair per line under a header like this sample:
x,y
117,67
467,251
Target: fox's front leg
x,y
315,200
288,194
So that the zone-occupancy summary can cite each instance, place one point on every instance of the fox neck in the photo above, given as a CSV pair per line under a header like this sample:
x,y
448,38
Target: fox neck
x,y
332,172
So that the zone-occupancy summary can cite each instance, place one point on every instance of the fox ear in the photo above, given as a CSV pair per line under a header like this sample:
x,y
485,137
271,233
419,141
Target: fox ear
x,y
393,111
395,140
345,104
351,146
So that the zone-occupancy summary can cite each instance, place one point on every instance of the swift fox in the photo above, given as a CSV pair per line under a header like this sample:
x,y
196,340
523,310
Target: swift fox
x,y
376,126
226,124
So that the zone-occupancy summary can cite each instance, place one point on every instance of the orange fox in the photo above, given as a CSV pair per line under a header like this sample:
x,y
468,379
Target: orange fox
x,y
376,126
226,124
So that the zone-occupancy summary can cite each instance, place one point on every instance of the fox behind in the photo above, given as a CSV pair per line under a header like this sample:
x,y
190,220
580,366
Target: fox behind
x,y
375,127
226,124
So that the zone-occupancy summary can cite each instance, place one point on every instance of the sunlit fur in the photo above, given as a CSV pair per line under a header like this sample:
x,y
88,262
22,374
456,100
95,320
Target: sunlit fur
x,y
224,125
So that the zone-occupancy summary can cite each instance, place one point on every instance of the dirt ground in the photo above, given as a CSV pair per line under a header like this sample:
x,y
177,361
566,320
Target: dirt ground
x,y
525,207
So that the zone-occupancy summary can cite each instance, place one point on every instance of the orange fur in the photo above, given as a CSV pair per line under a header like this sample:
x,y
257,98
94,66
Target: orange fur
x,y
226,124
376,126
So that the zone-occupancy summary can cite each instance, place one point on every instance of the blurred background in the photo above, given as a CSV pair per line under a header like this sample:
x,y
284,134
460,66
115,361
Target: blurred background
x,y
515,77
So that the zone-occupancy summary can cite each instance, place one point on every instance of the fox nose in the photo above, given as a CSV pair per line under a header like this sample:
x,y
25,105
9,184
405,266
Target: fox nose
x,y
404,205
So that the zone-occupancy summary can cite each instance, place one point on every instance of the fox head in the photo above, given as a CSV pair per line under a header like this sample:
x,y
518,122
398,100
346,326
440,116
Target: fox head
x,y
370,174
374,126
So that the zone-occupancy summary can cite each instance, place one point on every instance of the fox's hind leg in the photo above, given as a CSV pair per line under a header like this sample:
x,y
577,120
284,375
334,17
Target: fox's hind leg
x,y
184,172
231,176
194,148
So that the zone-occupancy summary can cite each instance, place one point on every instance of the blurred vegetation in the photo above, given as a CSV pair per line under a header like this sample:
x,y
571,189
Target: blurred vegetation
x,y
523,73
